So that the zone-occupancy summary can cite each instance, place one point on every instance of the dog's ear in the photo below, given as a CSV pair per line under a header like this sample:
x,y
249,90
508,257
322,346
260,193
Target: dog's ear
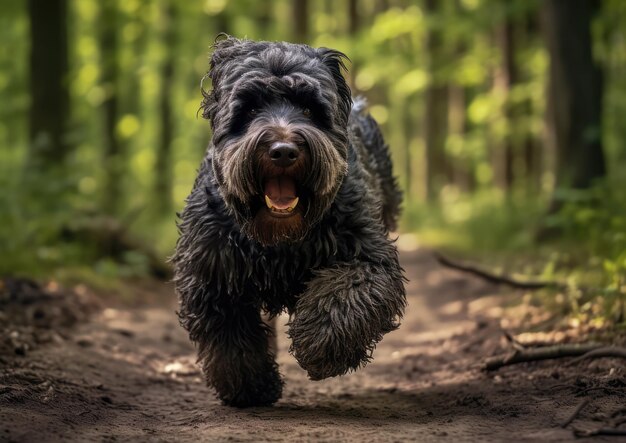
x,y
335,62
225,49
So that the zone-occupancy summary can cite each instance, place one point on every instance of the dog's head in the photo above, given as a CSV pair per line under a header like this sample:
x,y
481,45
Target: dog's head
x,y
279,114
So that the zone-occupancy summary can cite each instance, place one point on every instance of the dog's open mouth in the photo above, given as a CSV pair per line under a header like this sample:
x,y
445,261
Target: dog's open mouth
x,y
281,195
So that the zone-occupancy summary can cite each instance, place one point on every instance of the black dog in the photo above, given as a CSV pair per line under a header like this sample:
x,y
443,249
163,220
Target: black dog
x,y
290,210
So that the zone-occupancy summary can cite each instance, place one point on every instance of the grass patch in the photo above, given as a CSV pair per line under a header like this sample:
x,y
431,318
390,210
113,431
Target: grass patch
x,y
585,244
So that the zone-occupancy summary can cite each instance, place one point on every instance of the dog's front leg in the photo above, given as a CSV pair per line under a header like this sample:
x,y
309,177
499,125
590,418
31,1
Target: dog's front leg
x,y
233,349
343,313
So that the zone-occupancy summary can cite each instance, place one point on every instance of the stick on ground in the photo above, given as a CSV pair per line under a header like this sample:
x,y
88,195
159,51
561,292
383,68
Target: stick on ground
x,y
496,279
574,414
543,353
604,352
600,431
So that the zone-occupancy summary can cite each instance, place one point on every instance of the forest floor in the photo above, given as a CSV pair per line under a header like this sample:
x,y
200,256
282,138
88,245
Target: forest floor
x,y
129,374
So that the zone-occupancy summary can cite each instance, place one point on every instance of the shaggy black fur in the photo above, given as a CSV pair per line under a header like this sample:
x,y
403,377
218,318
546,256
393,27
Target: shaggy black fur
x,y
329,262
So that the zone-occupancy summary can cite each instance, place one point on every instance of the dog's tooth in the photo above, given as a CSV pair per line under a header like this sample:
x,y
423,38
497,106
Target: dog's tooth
x,y
268,202
295,203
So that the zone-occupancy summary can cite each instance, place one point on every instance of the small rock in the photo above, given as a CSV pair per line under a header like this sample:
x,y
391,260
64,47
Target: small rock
x,y
21,349
125,333
84,343
482,323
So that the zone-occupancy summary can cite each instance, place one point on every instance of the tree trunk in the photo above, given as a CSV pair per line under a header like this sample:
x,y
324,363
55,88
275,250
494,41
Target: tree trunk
x,y
532,146
576,88
353,28
532,154
461,168
109,80
301,20
49,109
163,168
381,6
407,125
264,19
222,21
131,85
353,17
505,78
435,113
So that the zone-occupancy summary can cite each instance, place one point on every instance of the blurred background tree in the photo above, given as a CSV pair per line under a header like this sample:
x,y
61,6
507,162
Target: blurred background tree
x,y
502,117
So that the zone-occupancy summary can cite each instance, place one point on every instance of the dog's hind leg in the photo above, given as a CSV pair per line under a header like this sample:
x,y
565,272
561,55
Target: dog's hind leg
x,y
233,345
343,313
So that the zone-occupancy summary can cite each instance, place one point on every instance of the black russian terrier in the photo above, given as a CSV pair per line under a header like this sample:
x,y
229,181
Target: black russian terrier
x,y
290,210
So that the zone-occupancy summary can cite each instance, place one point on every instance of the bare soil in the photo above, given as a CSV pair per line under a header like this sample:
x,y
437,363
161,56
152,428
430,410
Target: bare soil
x,y
129,374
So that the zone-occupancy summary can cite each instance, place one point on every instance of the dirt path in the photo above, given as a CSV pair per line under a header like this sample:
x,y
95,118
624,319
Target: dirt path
x,y
129,375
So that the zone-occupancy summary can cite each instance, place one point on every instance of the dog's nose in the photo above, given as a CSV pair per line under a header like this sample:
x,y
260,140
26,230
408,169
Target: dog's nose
x,y
283,154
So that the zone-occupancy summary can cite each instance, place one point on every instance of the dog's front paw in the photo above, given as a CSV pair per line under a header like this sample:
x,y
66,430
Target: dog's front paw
x,y
322,349
341,316
263,390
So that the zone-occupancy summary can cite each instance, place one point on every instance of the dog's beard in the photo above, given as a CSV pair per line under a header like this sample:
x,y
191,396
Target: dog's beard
x,y
246,177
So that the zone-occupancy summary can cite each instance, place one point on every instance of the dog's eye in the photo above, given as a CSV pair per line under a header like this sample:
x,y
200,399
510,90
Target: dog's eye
x,y
306,112
253,112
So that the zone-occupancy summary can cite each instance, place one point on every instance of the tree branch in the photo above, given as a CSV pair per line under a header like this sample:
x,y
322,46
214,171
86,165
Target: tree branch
x,y
496,279
600,431
574,414
543,353
607,351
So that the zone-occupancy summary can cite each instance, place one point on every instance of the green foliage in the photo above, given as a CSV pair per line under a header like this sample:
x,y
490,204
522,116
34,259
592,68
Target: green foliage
x,y
392,64
582,244
479,224
595,220
42,236
597,215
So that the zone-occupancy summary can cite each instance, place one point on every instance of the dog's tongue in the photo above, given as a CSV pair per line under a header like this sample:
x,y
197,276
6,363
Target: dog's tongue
x,y
281,191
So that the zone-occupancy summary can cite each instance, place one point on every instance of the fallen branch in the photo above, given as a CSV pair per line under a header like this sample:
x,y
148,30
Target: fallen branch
x,y
600,431
496,279
513,342
604,352
536,354
574,414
